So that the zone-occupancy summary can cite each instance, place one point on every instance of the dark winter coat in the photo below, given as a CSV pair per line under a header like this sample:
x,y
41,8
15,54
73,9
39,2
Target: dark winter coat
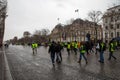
x,y
52,48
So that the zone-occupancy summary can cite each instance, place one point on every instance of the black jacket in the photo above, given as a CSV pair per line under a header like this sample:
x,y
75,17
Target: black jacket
x,y
52,48
58,48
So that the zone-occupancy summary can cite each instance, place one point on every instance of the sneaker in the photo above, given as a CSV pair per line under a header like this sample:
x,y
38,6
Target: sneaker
x,y
79,61
101,61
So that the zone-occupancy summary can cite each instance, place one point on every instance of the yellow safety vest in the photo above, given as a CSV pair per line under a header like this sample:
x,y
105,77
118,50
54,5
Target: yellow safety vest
x,y
82,50
68,46
102,44
34,45
112,46
76,46
73,44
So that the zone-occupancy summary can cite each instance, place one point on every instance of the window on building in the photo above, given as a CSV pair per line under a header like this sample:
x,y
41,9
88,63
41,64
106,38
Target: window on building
x,y
118,26
105,35
118,17
106,27
112,35
118,34
111,26
111,19
118,9
82,33
106,20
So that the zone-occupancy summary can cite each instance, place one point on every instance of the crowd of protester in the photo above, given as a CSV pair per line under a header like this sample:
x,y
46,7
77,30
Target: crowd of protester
x,y
83,48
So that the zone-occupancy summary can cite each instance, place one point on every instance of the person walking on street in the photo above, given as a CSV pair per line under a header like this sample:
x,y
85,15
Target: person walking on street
x,y
58,53
34,48
52,52
102,49
111,50
91,47
82,53
75,47
87,45
68,48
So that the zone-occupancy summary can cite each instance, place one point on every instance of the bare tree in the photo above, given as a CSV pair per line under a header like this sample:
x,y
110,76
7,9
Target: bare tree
x,y
37,32
45,32
96,17
26,34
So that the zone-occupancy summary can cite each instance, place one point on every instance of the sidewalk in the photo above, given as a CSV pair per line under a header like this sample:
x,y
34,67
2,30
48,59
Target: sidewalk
x,y
4,68
1,65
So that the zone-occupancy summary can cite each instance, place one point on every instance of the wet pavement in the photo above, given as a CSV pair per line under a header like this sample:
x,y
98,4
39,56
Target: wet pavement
x,y
26,66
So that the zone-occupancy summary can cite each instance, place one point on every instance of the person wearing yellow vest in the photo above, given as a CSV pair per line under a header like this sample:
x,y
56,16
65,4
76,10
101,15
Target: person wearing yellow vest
x,y
34,48
75,47
102,49
115,44
82,52
68,48
111,50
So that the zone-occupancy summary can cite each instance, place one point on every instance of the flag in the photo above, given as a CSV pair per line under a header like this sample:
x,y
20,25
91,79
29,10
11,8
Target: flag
x,y
76,10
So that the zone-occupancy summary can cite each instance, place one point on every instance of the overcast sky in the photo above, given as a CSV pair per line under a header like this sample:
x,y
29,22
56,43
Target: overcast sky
x,y
31,15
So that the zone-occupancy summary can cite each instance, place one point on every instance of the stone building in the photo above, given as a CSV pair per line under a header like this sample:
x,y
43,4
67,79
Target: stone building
x,y
111,23
76,31
3,5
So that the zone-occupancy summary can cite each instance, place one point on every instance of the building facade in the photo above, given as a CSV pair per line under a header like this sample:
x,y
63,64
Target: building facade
x,y
3,5
111,23
76,31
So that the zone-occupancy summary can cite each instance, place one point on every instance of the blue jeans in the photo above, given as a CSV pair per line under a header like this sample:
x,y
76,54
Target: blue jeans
x,y
59,56
53,57
101,56
82,54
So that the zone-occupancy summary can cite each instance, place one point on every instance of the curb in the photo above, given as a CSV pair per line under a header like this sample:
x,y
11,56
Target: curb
x,y
7,72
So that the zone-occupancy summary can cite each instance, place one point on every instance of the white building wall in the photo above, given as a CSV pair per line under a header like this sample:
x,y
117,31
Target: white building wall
x,y
107,22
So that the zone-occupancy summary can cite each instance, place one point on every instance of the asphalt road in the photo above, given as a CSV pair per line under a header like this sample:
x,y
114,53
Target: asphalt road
x,y
26,66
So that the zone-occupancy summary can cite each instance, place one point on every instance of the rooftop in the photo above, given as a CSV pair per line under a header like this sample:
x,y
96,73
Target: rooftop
x,y
114,7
